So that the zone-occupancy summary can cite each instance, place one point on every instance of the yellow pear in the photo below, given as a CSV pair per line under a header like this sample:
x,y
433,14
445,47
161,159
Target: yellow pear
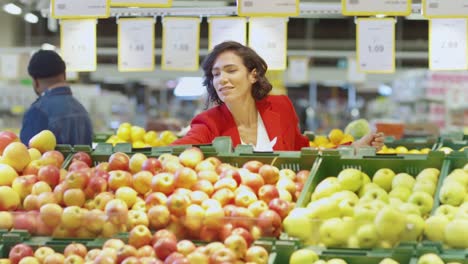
x,y
43,141
16,155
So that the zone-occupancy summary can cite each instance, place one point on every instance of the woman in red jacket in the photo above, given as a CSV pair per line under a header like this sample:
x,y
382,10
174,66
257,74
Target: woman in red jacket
x,y
235,79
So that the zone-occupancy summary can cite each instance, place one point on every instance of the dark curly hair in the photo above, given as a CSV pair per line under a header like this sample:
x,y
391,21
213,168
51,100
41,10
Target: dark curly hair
x,y
251,61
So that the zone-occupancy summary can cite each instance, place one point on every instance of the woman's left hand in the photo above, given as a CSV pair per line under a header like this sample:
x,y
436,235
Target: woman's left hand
x,y
375,140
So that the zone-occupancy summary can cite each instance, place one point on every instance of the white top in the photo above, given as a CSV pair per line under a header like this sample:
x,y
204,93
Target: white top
x,y
263,141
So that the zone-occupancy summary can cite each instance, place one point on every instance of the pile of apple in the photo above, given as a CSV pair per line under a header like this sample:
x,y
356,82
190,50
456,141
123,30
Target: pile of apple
x,y
432,258
144,247
449,224
351,210
402,150
308,256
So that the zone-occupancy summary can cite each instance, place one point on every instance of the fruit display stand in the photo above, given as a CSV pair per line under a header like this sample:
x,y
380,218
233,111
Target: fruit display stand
x,y
453,144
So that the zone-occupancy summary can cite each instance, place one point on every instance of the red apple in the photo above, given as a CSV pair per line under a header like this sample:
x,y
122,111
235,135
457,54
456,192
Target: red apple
x,y
197,197
54,258
150,260
226,182
210,176
131,260
253,180
119,178
54,155
226,231
146,251
223,255
135,218
257,254
163,182
152,165
237,244
76,249
302,176
76,179
113,243
191,157
244,233
280,206
46,198
268,192
270,223
31,203
159,216
20,251
49,174
253,166
102,199
125,252
42,252
229,210
103,166
164,247
224,196
173,257
119,161
142,182
177,203
231,173
205,165
96,185
204,186
242,217
139,236
245,198
75,197
269,173
83,156
117,211
155,198
163,233
185,178
208,234
22,185
77,165
224,166
185,247
6,137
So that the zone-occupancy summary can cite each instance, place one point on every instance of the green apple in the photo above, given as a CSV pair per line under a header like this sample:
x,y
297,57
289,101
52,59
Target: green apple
x,y
365,178
334,232
326,188
365,212
456,233
390,224
430,258
384,178
448,211
320,261
403,180
401,193
466,198
303,256
423,200
462,212
395,202
375,194
452,193
414,228
388,261
425,186
460,176
297,224
336,261
353,242
347,207
434,229
345,195
367,236
367,187
350,179
323,209
428,173
409,208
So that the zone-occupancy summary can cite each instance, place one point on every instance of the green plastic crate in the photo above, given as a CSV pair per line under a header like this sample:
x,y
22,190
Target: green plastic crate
x,y
460,257
456,145
102,137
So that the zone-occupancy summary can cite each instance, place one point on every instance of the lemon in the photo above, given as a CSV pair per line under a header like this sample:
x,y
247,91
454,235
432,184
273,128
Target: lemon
x,y
401,149
336,135
414,151
312,144
167,137
149,137
391,151
138,144
137,133
123,133
321,140
425,150
126,124
346,139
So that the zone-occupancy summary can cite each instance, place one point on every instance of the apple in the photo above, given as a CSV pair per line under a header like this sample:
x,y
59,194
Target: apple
x,y
51,214
16,155
29,260
163,182
423,200
232,173
40,187
205,165
142,181
42,252
269,173
267,193
430,258
401,193
185,247
136,218
446,210
9,199
125,252
431,174
224,196
8,175
77,165
253,166
323,209
435,227
301,256
191,157
23,185
139,236
297,224
55,155
155,198
153,165
75,249
20,251
367,236
72,217
335,232
31,203
223,255
96,185
237,244
204,186
6,220
350,179
258,207
119,178
83,156
103,166
425,185
49,174
414,228
242,217
74,197
126,194
194,215
286,184
245,199
131,260
326,188
54,258
76,179
452,193
210,176
226,182
198,258
280,206
26,220
146,251
117,211
173,257
197,197
456,232
185,178
375,194
287,173
213,217
119,161
136,162
270,223
403,180
384,178
178,203
390,224
165,246
102,199
6,137
210,203
58,192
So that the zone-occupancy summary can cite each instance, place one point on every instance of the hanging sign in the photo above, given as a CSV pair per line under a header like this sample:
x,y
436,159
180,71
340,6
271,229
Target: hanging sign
x,y
78,44
298,69
375,43
136,44
141,3
445,8
226,29
181,38
448,44
268,7
268,37
374,7
80,9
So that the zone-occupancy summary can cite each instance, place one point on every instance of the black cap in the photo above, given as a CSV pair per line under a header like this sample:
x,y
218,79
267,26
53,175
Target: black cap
x,y
46,63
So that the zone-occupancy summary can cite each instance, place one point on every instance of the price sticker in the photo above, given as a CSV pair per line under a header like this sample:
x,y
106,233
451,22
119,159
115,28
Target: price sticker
x,y
227,28
273,48
374,7
268,8
78,44
376,45
448,44
136,44
141,3
181,38
445,9
80,9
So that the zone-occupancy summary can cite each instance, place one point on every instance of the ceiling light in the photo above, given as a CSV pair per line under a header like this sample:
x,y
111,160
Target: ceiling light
x,y
31,18
12,9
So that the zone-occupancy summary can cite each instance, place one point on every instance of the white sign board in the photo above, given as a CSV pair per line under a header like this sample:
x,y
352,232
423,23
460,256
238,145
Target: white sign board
x,y
268,37
141,3
298,69
268,7
445,8
181,37
80,9
374,7
448,44
376,45
9,66
136,44
227,29
354,76
78,44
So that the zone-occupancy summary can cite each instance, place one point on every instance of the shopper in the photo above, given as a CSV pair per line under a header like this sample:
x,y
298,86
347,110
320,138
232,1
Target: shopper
x,y
56,109
235,79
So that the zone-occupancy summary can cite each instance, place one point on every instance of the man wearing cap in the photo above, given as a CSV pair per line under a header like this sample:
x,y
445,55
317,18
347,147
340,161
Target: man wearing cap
x,y
56,109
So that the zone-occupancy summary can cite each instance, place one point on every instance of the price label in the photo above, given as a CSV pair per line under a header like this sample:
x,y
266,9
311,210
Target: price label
x,y
142,3
448,44
376,45
268,7
80,9
445,8
136,44
9,66
374,7
227,28
181,37
273,48
78,44
298,69
355,76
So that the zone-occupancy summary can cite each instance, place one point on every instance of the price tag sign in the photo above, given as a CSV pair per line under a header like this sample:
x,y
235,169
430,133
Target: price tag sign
x,y
9,66
226,28
141,3
136,44
181,38
445,8
374,7
273,48
375,43
448,44
355,76
78,44
298,69
268,7
80,9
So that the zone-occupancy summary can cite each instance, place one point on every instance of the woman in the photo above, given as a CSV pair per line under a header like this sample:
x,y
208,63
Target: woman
x,y
235,79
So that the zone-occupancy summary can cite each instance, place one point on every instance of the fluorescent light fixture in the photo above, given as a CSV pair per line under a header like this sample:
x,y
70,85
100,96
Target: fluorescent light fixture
x,y
12,9
47,46
31,18
190,87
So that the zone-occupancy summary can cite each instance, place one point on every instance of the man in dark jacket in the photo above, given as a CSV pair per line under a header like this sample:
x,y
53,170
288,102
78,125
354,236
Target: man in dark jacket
x,y
56,109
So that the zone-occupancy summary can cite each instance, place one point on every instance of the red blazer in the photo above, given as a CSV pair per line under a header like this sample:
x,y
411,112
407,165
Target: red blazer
x,y
277,113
